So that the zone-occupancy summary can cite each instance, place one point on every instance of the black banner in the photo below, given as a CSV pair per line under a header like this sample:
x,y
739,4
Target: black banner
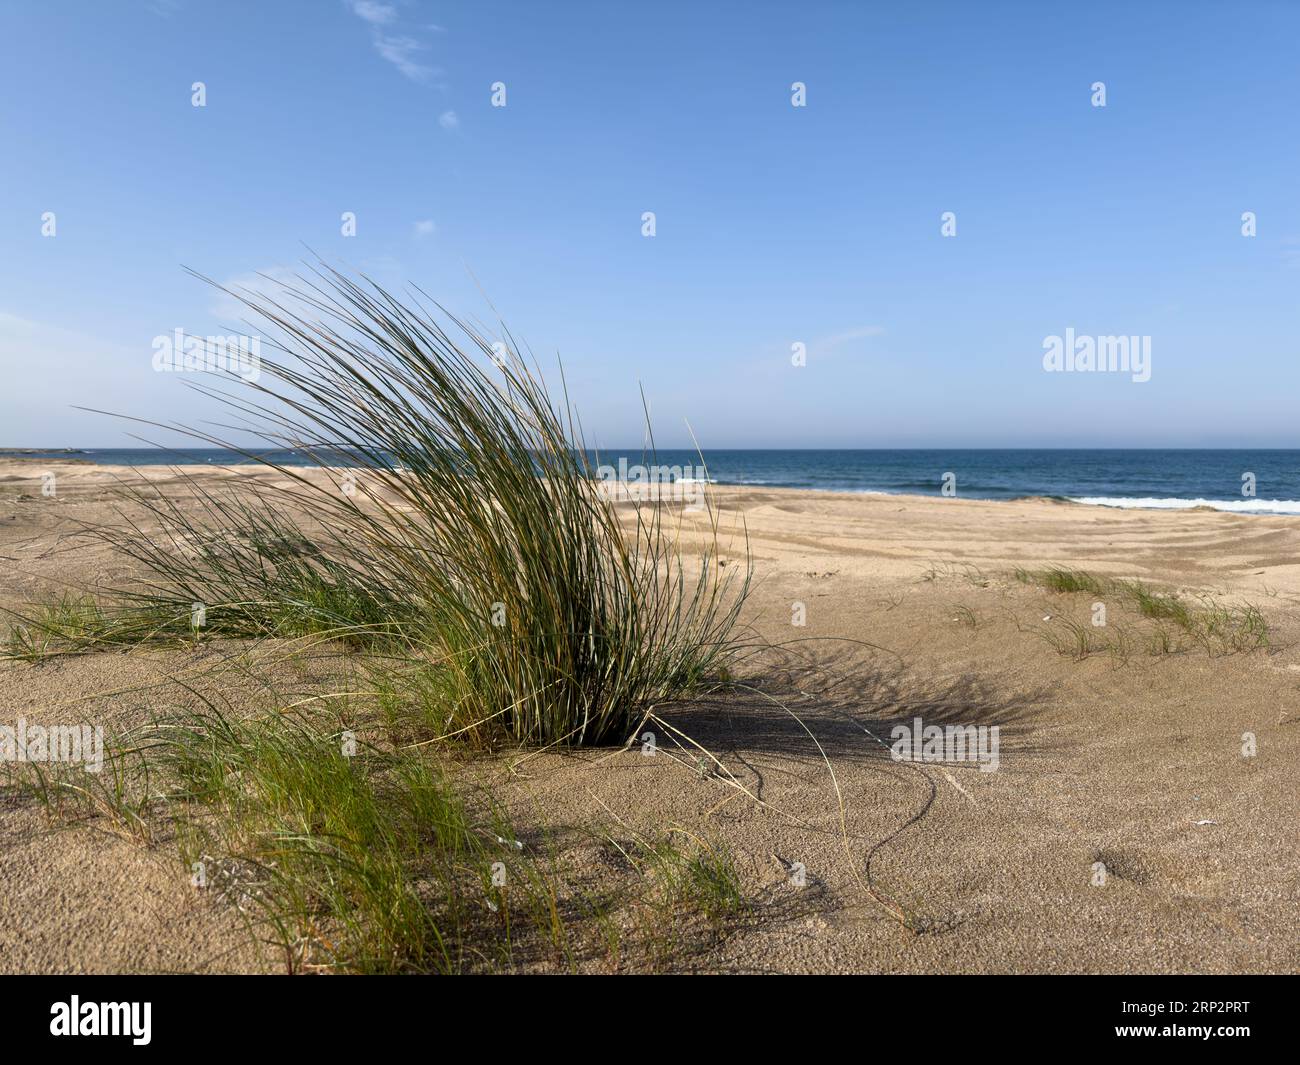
x,y
173,1013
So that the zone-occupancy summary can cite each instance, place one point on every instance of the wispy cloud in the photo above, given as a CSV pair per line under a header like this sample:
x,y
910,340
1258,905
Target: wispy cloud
x,y
838,340
448,121
269,282
374,11
401,52
424,228
400,49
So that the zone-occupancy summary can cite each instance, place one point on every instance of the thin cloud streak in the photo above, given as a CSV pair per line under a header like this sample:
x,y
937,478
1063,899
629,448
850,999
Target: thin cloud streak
x,y
399,49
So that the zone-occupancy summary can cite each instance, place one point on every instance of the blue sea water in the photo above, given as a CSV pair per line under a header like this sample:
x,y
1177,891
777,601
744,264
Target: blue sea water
x,y
1170,479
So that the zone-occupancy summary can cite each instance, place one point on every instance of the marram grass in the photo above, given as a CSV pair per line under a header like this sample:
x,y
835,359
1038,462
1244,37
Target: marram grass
x,y
1204,621
346,855
459,530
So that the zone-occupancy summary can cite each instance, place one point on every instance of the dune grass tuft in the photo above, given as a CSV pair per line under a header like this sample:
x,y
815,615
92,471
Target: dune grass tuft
x,y
481,583
1061,579
1181,623
345,853
461,529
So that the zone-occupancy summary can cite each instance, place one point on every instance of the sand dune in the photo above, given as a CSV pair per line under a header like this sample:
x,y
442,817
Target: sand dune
x,y
1130,759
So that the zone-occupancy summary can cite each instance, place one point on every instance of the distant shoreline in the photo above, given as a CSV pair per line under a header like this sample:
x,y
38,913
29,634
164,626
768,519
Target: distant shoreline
x,y
12,452
23,466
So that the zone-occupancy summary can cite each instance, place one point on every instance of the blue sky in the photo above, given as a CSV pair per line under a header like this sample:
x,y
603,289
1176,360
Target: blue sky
x,y
775,224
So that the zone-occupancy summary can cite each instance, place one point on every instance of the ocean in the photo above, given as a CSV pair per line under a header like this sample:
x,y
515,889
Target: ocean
x,y
1167,479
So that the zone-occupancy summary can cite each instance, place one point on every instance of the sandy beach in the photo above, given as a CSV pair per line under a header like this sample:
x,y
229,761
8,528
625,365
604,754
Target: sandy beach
x,y
910,608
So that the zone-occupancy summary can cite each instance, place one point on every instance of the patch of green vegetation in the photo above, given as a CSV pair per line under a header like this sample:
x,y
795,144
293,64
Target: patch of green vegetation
x,y
1074,639
459,522
456,541
76,621
346,854
1184,623
963,571
965,616
681,877
1061,579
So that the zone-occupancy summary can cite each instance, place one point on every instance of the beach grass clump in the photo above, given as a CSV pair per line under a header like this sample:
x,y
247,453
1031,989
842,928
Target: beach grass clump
x,y
460,526
965,571
684,886
966,616
342,855
458,547
353,857
1181,622
711,884
1074,639
1217,627
1241,628
693,874
70,620
1061,579
1156,605
117,796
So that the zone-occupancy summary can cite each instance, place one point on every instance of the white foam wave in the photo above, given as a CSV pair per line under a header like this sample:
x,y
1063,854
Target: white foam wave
x,y
1232,506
